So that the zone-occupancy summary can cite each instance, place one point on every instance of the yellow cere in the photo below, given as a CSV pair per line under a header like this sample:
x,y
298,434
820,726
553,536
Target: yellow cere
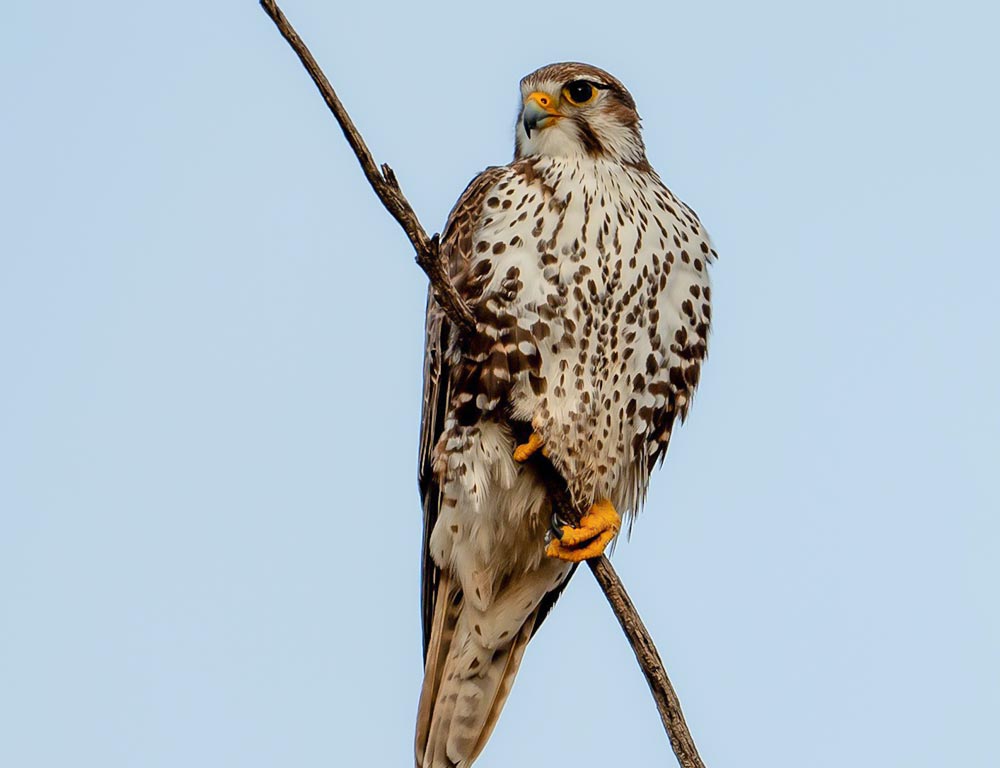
x,y
543,100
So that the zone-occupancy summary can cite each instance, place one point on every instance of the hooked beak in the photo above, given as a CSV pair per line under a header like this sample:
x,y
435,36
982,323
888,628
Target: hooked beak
x,y
539,111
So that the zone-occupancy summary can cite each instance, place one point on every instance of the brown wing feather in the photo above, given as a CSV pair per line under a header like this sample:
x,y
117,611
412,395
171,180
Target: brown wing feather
x,y
456,249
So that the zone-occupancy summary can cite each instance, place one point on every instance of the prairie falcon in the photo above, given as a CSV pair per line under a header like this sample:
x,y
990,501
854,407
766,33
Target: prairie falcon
x,y
589,282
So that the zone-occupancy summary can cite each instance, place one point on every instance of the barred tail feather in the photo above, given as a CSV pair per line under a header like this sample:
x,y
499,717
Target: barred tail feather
x,y
466,683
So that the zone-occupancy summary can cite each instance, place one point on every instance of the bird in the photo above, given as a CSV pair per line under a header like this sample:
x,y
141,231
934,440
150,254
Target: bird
x,y
588,281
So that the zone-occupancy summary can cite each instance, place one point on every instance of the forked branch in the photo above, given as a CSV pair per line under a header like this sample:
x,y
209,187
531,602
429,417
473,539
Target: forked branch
x,y
384,182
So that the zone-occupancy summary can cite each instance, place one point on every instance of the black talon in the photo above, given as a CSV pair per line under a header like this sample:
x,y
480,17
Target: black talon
x,y
557,524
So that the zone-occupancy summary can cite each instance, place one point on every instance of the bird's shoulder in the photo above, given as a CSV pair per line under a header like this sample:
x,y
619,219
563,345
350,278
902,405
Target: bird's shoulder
x,y
488,190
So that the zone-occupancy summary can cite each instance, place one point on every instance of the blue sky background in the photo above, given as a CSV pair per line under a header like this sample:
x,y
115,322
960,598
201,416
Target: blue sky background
x,y
211,337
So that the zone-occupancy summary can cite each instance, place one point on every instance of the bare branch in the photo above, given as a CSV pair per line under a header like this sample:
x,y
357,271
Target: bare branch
x,y
648,658
383,182
428,258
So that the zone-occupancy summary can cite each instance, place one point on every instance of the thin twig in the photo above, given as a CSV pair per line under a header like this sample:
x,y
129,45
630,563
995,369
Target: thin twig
x,y
383,182
648,658
388,190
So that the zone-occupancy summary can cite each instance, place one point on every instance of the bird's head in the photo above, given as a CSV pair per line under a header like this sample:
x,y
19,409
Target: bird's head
x,y
576,110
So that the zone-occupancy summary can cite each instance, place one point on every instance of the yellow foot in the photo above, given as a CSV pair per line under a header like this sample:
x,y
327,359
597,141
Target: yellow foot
x,y
526,450
596,530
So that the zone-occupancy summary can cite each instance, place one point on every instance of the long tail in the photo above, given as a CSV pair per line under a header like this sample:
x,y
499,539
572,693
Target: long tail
x,y
472,659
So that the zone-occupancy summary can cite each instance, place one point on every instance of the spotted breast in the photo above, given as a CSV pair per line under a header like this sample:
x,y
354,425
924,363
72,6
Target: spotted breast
x,y
589,282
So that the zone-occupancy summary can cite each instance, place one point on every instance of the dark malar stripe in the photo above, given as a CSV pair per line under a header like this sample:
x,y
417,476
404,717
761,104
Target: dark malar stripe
x,y
589,139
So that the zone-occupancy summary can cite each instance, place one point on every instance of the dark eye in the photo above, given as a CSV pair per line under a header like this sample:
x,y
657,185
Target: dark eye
x,y
579,92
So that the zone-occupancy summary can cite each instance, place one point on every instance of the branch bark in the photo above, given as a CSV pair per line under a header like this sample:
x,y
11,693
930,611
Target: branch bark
x,y
383,181
646,654
386,186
